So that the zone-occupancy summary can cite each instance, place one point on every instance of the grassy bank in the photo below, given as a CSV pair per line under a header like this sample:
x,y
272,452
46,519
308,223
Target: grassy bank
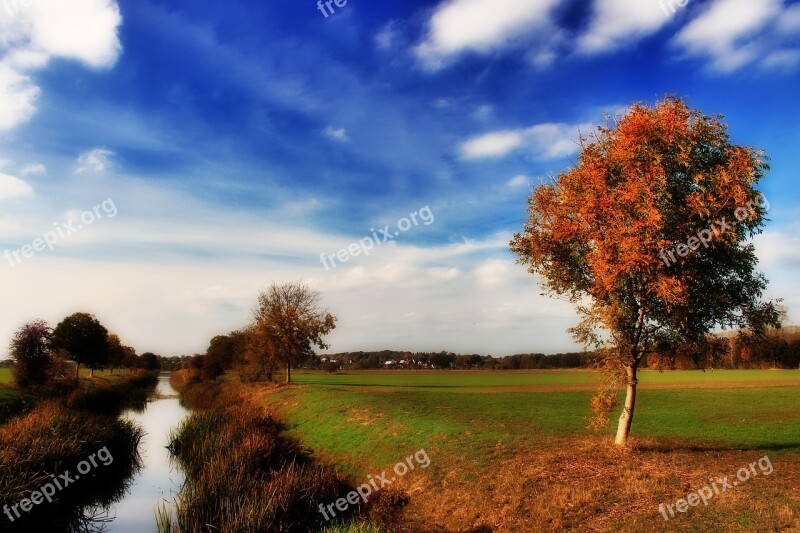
x,y
62,436
110,394
105,391
243,475
50,441
513,453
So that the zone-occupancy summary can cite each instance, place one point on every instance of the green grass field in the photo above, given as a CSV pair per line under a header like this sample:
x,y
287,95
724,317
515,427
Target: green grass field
x,y
6,376
469,422
457,380
12,402
399,410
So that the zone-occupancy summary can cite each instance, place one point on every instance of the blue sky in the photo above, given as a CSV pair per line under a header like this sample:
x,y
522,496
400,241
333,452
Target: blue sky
x,y
238,141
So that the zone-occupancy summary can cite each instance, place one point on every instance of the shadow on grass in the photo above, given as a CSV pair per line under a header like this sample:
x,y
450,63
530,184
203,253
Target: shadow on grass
x,y
670,446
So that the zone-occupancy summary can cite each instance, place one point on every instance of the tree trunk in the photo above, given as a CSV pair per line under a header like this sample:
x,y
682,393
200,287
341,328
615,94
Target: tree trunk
x,y
77,370
626,418
91,372
288,372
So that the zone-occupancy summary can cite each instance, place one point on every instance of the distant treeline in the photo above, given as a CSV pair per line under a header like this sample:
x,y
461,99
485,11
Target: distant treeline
x,y
780,349
390,359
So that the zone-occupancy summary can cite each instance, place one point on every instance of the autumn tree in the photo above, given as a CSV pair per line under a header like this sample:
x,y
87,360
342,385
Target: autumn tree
x,y
84,339
662,182
118,353
288,323
223,351
259,359
31,351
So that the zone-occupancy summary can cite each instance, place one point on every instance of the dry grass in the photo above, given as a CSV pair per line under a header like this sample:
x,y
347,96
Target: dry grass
x,y
51,440
241,476
588,485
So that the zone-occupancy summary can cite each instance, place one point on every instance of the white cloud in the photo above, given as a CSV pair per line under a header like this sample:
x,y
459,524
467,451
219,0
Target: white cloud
x,y
615,22
723,33
493,272
542,141
781,59
337,134
431,290
13,187
302,207
387,36
483,112
18,96
33,168
95,160
482,26
519,181
495,144
789,22
85,30
34,32
778,249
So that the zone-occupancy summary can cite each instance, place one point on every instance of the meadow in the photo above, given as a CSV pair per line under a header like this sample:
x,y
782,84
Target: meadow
x,y
13,402
510,450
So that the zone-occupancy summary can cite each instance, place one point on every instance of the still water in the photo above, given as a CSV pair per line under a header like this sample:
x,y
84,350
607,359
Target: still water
x,y
159,479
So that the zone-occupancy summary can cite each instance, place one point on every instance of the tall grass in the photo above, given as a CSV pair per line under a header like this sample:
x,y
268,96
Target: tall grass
x,y
242,476
197,395
51,440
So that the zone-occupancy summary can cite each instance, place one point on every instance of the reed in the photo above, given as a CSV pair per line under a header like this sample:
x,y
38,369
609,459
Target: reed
x,y
51,440
243,476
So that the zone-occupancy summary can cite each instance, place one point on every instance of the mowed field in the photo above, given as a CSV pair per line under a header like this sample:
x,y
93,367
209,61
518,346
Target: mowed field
x,y
510,450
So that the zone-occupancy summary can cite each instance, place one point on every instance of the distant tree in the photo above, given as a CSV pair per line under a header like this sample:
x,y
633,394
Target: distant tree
x,y
149,361
130,359
31,351
288,323
116,352
222,352
83,339
260,360
442,359
330,367
605,234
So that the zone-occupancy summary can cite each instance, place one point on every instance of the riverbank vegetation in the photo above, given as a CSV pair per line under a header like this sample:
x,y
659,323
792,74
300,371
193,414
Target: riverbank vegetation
x,y
243,474
53,438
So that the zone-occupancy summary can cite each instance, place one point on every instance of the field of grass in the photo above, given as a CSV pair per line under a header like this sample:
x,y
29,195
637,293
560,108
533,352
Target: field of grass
x,y
6,376
482,380
490,431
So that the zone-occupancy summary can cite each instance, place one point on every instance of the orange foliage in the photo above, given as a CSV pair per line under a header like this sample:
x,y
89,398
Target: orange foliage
x,y
646,184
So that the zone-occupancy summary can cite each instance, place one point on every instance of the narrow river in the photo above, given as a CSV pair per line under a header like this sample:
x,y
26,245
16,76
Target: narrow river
x,y
160,479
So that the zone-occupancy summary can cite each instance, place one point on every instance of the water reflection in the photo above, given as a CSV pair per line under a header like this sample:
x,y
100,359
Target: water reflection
x,y
159,478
